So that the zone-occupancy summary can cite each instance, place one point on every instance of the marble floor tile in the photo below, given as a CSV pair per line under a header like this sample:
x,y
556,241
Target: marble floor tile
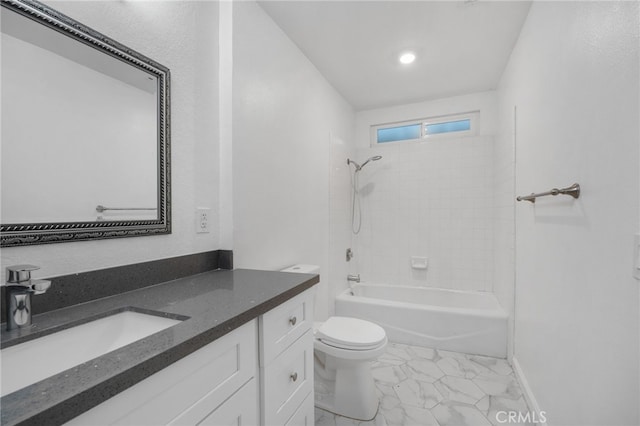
x,y
417,394
422,386
407,415
484,404
452,414
423,370
450,354
496,385
497,408
420,352
459,390
399,350
388,397
395,354
388,374
461,367
497,365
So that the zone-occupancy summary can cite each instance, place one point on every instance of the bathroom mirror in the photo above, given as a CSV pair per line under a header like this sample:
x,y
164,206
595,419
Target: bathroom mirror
x,y
85,132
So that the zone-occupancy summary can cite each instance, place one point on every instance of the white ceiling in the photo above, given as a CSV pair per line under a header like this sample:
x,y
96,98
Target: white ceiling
x,y
461,46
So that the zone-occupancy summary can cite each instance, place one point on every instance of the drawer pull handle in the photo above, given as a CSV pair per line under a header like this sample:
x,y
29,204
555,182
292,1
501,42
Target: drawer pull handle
x,y
294,376
293,320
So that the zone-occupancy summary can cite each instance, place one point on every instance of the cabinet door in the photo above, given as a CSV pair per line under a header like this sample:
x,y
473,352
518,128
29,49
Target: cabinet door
x,y
304,415
287,381
239,410
188,390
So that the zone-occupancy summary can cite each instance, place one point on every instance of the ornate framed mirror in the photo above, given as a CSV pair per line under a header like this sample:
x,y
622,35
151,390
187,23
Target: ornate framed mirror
x,y
85,133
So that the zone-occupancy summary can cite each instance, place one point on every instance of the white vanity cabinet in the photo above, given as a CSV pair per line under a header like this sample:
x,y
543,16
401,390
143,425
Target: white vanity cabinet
x,y
215,385
260,373
286,362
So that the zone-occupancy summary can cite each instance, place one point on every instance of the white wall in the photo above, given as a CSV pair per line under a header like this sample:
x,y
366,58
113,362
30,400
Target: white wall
x,y
225,102
431,198
285,115
574,78
183,36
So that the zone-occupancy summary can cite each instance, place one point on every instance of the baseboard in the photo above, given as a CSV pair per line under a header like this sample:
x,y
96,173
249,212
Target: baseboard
x,y
532,402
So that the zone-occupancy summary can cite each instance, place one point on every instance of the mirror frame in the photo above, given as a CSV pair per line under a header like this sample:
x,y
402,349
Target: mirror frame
x,y
22,234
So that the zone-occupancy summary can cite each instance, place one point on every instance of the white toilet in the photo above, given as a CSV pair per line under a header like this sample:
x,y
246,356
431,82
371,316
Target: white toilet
x,y
343,351
344,348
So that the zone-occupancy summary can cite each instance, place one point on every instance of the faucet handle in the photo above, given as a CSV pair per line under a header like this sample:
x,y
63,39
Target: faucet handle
x,y
20,273
40,286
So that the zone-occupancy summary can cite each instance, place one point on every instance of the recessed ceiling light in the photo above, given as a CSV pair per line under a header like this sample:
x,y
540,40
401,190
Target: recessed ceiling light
x,y
407,58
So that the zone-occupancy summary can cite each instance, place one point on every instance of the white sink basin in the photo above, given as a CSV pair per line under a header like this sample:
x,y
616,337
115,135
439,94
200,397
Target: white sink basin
x,y
35,360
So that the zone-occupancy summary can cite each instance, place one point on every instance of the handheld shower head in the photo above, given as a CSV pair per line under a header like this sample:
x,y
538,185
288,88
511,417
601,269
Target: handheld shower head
x,y
359,167
374,158
356,218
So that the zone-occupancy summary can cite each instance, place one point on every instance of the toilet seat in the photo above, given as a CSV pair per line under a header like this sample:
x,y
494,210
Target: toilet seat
x,y
351,334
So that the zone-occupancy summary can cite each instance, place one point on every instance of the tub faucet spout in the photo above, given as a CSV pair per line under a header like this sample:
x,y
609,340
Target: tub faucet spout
x,y
19,288
354,278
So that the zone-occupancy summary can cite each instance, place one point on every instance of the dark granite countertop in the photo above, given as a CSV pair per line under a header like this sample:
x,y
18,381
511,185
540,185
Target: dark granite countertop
x,y
215,303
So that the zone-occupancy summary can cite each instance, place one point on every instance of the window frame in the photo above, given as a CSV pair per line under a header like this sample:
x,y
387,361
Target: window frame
x,y
473,116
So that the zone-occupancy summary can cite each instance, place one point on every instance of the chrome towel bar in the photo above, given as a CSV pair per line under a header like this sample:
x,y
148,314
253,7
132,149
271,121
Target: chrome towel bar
x,y
573,190
100,209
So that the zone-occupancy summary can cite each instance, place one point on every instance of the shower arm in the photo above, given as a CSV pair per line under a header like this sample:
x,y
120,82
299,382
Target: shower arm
x,y
358,166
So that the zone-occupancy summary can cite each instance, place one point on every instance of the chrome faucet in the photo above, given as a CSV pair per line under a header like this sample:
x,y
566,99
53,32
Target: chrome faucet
x,y
19,288
355,278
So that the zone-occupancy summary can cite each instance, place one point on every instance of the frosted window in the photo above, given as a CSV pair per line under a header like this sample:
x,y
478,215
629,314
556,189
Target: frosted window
x,y
443,126
447,127
401,133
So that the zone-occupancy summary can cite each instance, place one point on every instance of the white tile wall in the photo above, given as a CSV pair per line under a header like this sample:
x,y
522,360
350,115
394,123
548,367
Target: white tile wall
x,y
339,204
432,199
504,220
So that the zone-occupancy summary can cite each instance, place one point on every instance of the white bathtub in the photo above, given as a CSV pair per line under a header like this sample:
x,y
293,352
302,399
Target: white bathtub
x,y
469,322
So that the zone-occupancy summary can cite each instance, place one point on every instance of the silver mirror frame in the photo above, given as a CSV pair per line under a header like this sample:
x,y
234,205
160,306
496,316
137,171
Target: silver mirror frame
x,y
22,234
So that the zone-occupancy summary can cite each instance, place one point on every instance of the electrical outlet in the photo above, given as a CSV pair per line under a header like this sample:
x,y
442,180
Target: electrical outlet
x,y
202,220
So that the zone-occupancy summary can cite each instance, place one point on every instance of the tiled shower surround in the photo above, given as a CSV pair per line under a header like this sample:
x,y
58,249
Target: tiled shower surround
x,y
433,199
422,386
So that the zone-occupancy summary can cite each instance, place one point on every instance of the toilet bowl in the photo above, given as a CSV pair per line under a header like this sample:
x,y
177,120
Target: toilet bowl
x,y
343,351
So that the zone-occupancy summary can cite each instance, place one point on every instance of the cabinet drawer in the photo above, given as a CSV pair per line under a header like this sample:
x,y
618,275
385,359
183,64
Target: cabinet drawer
x,y
283,325
237,410
304,415
287,381
186,391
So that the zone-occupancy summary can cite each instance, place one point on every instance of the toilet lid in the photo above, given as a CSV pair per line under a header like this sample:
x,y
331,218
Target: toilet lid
x,y
350,333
